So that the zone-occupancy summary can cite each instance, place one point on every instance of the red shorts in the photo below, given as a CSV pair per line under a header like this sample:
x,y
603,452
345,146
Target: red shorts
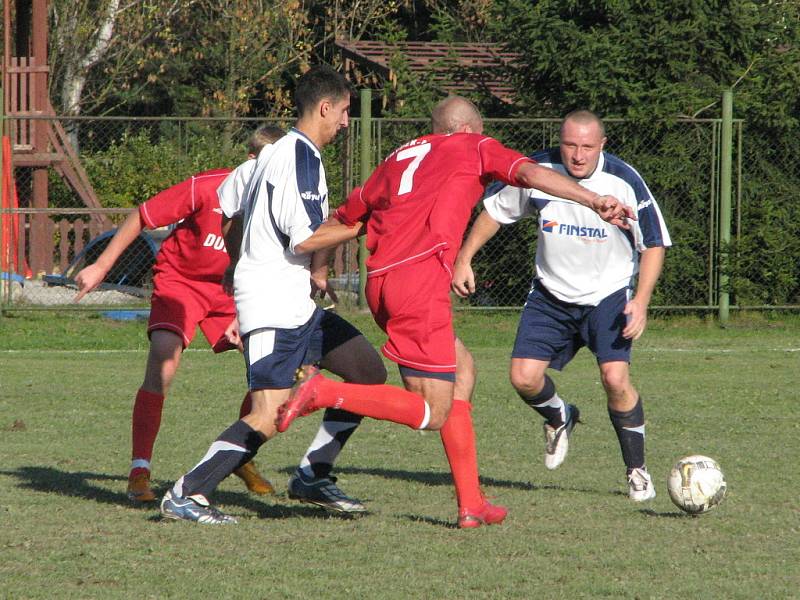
x,y
412,305
180,305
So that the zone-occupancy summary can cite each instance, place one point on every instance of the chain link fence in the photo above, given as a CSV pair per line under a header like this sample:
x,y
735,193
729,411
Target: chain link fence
x,y
96,170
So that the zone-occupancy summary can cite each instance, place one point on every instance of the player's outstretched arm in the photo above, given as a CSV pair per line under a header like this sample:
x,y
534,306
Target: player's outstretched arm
x,y
484,229
328,235
532,175
90,277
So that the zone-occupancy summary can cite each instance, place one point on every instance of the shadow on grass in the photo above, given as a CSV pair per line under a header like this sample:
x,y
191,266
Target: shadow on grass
x,y
81,484
673,514
444,478
430,521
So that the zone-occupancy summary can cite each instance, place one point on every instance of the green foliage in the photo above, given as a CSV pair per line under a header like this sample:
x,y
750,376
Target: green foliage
x,y
651,58
136,167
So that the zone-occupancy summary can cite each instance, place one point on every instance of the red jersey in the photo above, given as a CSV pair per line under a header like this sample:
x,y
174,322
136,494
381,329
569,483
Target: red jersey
x,y
419,200
195,249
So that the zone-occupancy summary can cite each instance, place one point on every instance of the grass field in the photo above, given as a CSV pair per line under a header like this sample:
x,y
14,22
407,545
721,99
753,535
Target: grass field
x,y
67,531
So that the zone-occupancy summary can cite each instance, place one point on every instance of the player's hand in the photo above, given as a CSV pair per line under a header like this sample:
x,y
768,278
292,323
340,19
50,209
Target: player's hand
x,y
320,286
636,314
232,334
227,280
613,211
463,283
87,279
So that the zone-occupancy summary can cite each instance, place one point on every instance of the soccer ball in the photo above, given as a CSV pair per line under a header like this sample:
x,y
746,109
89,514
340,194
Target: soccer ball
x,y
696,484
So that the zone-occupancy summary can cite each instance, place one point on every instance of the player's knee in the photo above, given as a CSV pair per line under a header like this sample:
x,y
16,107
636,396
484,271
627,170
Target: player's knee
x,y
526,382
615,381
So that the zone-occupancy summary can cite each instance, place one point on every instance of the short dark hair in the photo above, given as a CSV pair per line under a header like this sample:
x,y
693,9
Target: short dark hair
x,y
266,134
318,83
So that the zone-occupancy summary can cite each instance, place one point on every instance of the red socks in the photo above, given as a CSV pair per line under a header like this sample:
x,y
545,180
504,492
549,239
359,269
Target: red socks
x,y
146,422
458,439
384,402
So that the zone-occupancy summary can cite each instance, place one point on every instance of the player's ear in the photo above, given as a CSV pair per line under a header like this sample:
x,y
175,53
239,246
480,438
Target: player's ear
x,y
324,107
603,143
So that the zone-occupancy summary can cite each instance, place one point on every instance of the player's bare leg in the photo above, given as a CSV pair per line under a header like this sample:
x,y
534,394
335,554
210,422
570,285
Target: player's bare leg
x,y
626,412
163,360
529,377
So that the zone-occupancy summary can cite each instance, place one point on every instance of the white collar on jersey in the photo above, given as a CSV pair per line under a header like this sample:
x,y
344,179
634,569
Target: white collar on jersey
x,y
305,138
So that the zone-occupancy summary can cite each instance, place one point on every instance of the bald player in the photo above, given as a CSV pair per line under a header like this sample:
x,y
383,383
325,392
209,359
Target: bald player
x,y
583,292
416,206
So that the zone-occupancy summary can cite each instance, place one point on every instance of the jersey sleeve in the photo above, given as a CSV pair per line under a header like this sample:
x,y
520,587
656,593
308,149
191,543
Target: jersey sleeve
x,y
169,206
231,191
650,221
354,209
508,205
299,208
498,162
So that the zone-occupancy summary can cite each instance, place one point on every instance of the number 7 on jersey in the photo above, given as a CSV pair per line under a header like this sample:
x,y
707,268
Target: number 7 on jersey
x,y
417,153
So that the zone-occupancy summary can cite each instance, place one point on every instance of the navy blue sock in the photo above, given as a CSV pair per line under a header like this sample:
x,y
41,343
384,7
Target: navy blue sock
x,y
630,432
547,403
234,447
337,427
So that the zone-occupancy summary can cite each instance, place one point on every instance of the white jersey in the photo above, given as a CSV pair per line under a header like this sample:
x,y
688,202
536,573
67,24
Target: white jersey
x,y
580,258
231,191
284,202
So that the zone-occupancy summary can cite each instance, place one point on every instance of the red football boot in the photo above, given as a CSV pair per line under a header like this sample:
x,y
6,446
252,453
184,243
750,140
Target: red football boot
x,y
301,399
488,514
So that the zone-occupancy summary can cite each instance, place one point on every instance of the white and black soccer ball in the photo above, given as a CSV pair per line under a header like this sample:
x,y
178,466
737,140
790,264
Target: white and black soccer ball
x,y
696,484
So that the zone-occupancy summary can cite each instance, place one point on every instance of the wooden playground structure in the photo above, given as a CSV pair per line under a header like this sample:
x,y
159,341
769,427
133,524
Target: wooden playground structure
x,y
37,143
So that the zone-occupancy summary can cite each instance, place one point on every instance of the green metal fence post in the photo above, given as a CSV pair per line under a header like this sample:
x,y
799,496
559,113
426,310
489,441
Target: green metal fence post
x,y
366,169
725,197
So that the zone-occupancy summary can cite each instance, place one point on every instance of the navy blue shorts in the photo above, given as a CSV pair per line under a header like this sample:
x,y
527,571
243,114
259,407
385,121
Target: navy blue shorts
x,y
272,356
554,331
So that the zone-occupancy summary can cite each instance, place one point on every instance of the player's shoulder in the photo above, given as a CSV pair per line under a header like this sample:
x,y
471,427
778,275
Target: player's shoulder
x,y
212,177
212,173
616,167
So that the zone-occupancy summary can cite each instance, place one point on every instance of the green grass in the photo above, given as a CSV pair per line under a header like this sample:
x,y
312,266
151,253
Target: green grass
x,y
66,530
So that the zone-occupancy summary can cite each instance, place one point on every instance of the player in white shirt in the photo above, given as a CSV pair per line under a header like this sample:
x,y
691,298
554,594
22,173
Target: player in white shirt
x,y
355,361
581,294
284,203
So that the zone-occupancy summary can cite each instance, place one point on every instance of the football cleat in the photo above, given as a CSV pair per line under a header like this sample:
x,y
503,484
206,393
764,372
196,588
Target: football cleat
x,y
488,514
640,485
556,439
323,492
253,479
139,489
301,399
193,509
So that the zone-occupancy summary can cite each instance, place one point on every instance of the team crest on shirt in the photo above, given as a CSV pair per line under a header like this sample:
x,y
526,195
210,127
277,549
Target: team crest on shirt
x,y
549,225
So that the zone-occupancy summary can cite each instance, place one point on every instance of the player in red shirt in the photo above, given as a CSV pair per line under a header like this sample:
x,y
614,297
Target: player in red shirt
x,y
187,293
416,206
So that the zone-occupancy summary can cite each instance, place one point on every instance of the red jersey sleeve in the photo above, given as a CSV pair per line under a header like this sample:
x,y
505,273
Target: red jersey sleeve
x,y
354,209
170,206
498,162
